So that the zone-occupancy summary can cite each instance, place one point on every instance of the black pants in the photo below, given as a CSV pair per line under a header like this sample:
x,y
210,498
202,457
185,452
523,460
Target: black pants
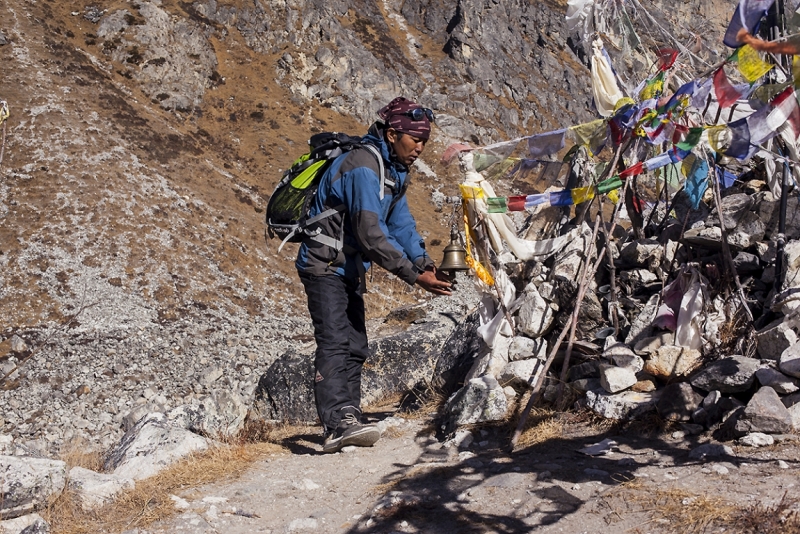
x,y
337,313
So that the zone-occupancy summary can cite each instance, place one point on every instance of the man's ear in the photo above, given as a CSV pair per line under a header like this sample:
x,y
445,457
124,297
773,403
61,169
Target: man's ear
x,y
391,135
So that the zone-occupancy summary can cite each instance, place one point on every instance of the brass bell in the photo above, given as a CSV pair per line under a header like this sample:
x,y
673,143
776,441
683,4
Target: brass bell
x,y
455,255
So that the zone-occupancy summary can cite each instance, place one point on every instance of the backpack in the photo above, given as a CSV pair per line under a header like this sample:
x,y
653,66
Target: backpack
x,y
290,203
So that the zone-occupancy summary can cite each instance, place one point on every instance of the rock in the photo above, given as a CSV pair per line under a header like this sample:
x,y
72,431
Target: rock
x,y
219,415
95,490
523,348
765,413
130,419
756,439
749,231
637,277
27,483
649,345
304,524
583,385
615,379
210,376
775,338
733,374
625,405
671,361
642,326
462,440
590,369
535,316
26,524
480,400
678,402
782,384
746,263
623,356
789,362
285,391
641,253
18,345
710,450
519,374
152,445
458,354
794,412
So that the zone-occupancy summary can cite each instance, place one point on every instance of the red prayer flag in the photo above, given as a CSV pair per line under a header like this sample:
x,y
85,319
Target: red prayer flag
x,y
633,170
727,95
666,57
787,101
516,203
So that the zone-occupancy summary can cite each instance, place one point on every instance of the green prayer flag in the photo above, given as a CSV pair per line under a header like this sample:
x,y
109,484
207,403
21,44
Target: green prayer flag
x,y
496,204
692,138
615,182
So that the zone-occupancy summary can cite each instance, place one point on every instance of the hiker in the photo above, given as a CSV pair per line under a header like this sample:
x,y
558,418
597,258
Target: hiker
x,y
376,227
788,45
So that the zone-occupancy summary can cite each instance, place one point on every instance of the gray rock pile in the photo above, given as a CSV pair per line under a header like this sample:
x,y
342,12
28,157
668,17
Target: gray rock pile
x,y
683,345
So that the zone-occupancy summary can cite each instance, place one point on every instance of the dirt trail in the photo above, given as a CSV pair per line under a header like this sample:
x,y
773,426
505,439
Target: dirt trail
x,y
410,482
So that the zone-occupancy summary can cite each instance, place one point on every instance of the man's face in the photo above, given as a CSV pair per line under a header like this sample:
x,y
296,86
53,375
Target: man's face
x,y
407,148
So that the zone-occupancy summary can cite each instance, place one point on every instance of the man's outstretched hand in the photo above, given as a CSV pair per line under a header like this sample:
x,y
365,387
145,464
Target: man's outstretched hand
x,y
434,282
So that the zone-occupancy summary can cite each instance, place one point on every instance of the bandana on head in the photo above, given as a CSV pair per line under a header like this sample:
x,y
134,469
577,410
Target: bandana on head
x,y
394,113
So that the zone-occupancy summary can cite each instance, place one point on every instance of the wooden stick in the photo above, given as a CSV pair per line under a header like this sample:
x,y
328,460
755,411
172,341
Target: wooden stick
x,y
576,312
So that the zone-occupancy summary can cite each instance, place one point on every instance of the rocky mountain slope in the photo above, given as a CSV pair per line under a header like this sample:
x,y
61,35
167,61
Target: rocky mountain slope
x,y
146,136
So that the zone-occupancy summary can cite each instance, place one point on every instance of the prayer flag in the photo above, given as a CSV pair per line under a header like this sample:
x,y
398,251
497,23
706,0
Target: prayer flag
x,y
747,15
726,94
750,64
784,108
591,134
633,170
697,181
517,203
718,137
536,200
561,198
470,193
582,194
666,58
700,96
760,130
654,87
691,139
727,179
546,143
615,182
739,145
658,161
687,89
496,205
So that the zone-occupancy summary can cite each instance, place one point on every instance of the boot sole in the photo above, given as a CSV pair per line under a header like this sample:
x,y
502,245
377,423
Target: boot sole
x,y
364,437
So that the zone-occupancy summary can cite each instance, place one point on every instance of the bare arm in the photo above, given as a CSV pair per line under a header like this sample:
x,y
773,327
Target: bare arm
x,y
782,47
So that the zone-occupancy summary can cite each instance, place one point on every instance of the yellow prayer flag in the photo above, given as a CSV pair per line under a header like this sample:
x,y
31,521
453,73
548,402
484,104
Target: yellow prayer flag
x,y
718,139
582,194
613,196
796,71
751,65
469,192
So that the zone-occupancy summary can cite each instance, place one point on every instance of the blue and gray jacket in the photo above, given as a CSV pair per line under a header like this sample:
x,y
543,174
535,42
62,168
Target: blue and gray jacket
x,y
374,226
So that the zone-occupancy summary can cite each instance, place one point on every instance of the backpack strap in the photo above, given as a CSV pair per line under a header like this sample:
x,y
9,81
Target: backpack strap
x,y
317,236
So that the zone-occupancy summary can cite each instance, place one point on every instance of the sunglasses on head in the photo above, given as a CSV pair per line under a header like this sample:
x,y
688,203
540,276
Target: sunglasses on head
x,y
417,114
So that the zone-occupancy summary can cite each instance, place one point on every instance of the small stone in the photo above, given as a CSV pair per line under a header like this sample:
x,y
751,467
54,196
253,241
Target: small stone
x,y
719,469
782,464
710,450
757,439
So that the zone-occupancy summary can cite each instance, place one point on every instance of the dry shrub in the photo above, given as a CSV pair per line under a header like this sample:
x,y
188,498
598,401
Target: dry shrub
x,y
422,403
387,292
677,509
256,430
542,425
781,518
78,453
150,500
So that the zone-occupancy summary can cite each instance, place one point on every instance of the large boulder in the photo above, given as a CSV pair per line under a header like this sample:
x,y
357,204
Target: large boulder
x,y
432,352
95,490
152,445
219,415
27,483
765,413
480,400
733,374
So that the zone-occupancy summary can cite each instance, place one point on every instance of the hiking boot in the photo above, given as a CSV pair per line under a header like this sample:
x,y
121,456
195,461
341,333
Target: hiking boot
x,y
351,432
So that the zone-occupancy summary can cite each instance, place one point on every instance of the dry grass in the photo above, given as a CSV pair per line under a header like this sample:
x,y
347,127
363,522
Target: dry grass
x,y
150,500
542,425
78,453
386,292
680,510
677,509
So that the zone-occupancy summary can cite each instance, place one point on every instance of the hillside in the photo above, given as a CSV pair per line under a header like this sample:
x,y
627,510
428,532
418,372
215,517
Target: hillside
x,y
144,141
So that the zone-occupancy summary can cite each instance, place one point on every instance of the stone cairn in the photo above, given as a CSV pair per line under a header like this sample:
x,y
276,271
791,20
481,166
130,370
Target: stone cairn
x,y
689,319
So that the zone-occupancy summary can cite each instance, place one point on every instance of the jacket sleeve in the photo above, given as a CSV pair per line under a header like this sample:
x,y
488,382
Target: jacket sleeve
x,y
403,227
361,196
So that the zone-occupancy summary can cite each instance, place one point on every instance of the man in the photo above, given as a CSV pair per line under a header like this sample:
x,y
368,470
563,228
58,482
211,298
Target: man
x,y
375,226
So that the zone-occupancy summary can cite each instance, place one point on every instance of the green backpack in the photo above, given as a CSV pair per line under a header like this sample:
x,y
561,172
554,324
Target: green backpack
x,y
290,203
